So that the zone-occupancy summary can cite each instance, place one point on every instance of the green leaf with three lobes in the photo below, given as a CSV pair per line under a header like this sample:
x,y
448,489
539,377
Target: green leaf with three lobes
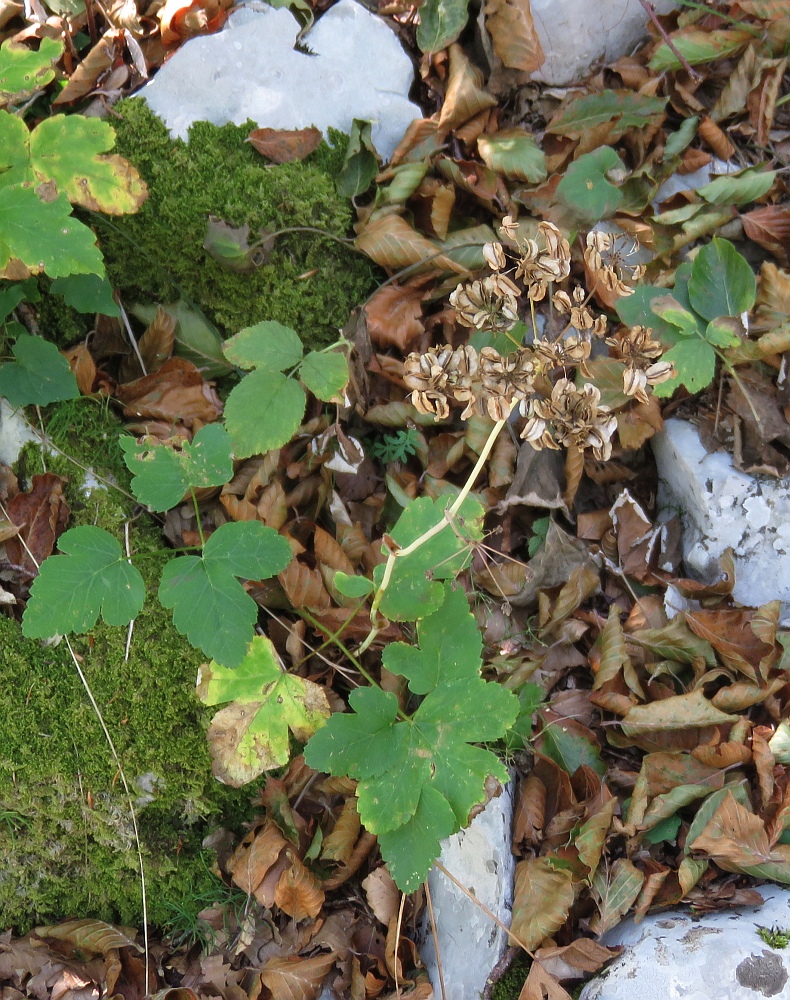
x,y
23,71
164,475
419,777
722,282
265,409
39,374
210,606
695,362
44,235
90,578
325,373
87,293
70,151
250,735
414,591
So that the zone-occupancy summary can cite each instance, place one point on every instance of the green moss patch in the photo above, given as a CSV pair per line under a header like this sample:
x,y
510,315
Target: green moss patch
x,y
66,840
157,255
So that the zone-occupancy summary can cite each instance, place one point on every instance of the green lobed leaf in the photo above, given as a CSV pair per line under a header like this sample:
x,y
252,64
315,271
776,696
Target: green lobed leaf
x,y
23,71
403,764
414,590
90,578
738,189
14,155
263,412
586,189
441,22
325,373
695,364
250,736
361,163
268,345
39,374
210,607
630,109
162,474
87,293
10,297
722,283
44,235
69,150
514,154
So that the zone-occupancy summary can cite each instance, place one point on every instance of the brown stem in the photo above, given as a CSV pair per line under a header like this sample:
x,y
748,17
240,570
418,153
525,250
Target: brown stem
x,y
651,13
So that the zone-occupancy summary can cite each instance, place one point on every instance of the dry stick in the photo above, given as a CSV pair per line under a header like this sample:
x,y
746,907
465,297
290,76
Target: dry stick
x,y
132,338
396,960
435,934
116,758
651,13
483,907
449,514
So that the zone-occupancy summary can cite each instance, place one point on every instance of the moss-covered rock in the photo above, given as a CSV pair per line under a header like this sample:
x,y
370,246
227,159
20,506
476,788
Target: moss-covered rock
x,y
310,282
66,840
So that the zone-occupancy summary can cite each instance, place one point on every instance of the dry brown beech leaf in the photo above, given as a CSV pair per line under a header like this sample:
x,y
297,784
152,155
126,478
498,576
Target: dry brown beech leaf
x,y
294,978
298,892
282,145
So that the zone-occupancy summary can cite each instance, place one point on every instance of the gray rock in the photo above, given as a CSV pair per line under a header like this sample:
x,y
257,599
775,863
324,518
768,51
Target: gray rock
x,y
251,70
470,943
576,33
719,956
722,508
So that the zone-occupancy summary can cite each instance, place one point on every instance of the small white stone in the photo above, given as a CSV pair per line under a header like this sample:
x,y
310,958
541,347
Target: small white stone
x,y
470,943
723,508
718,956
15,432
576,33
357,68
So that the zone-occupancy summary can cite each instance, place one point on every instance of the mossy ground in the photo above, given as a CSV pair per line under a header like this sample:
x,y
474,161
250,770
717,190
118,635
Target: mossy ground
x,y
66,844
310,282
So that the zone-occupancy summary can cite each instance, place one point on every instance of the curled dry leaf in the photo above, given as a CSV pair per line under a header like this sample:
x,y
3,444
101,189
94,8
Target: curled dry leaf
x,y
176,394
543,897
285,145
294,978
395,316
382,894
180,20
769,226
86,76
512,30
255,855
735,837
298,893
339,844
93,936
40,516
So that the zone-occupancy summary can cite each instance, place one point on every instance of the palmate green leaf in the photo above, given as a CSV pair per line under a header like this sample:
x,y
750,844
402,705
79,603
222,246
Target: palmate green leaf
x,y
417,773
586,189
90,578
14,156
695,364
325,373
631,111
87,293
210,606
268,345
71,151
250,735
44,235
441,22
414,590
10,297
38,375
513,153
163,474
23,71
263,412
721,283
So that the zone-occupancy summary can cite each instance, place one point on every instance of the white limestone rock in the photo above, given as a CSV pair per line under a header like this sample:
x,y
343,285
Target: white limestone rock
x,y
576,33
251,70
470,943
15,432
718,956
723,508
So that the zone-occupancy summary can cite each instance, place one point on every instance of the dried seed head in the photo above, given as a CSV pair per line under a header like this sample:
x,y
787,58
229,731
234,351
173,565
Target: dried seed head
x,y
487,304
494,255
509,228
504,381
547,259
635,346
607,256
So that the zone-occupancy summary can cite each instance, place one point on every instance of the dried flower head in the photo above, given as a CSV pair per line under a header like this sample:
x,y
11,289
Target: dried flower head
x,y
509,228
571,350
487,304
546,259
504,381
574,306
494,256
577,420
607,255
640,353
438,376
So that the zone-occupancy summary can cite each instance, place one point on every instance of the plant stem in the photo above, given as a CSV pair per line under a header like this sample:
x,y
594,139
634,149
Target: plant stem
x,y
197,517
651,13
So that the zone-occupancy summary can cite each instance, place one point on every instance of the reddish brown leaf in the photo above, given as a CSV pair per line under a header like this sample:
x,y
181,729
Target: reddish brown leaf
x,y
769,226
735,837
298,893
282,145
176,394
40,515
513,34
395,316
255,855
294,978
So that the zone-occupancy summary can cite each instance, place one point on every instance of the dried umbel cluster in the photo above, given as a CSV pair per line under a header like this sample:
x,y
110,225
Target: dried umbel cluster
x,y
558,413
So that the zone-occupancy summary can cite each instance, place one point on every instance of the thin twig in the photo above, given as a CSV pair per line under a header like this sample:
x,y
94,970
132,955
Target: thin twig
x,y
651,13
132,338
435,934
396,960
